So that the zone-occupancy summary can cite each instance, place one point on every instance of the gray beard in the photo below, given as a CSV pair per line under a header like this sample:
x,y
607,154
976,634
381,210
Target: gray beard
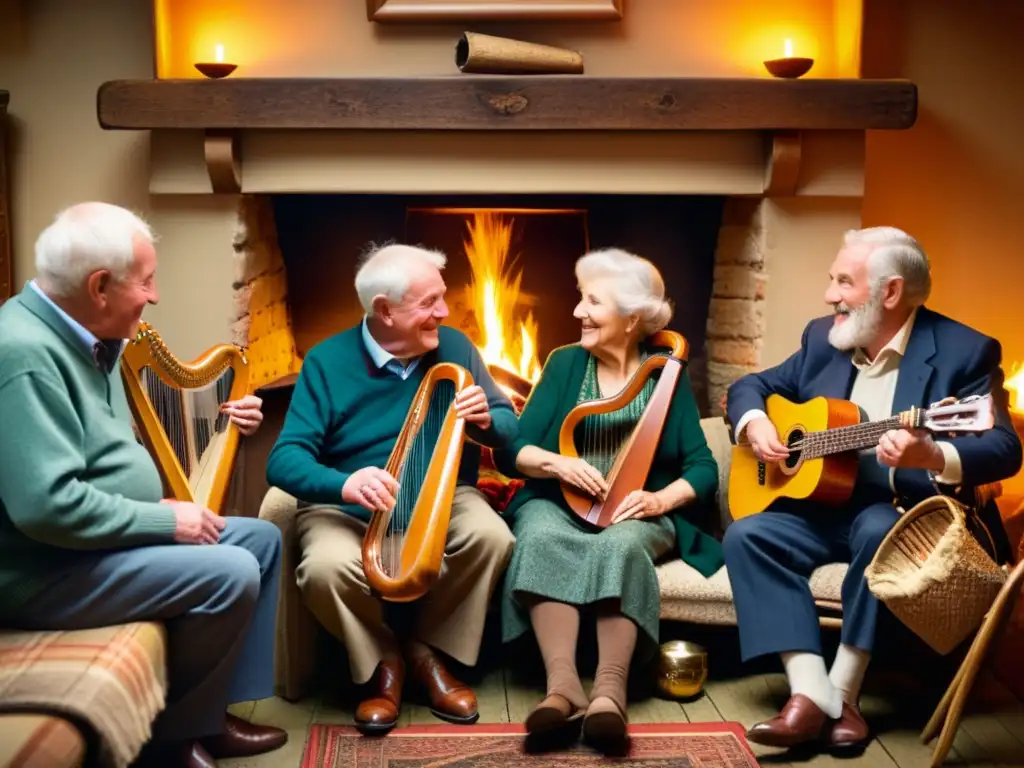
x,y
860,327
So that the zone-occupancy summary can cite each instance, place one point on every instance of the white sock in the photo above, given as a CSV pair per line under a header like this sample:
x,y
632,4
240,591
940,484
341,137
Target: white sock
x,y
848,671
807,675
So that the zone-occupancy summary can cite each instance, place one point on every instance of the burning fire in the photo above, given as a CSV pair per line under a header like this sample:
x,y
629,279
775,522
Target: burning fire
x,y
1014,384
494,295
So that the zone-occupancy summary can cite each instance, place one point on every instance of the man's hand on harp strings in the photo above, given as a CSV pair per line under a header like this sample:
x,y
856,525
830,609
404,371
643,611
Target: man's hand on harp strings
x,y
471,405
372,488
194,524
246,413
579,474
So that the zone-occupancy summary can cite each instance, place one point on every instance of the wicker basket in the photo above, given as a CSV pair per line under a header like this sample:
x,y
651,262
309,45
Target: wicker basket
x,y
933,574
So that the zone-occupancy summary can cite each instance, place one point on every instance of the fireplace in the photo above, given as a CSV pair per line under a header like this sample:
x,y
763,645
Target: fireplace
x,y
510,270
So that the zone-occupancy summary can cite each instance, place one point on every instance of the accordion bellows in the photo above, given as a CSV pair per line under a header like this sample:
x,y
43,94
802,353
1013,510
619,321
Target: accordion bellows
x,y
933,574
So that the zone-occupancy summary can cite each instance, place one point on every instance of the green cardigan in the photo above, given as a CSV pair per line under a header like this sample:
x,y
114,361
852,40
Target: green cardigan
x,y
682,452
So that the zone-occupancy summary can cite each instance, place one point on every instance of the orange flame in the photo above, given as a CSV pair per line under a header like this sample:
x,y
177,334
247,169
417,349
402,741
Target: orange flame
x,y
1014,384
495,298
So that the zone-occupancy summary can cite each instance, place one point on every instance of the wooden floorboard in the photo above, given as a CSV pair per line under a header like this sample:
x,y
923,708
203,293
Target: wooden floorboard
x,y
991,733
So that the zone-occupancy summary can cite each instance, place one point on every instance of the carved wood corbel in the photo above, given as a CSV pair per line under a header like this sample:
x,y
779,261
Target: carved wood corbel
x,y
783,166
223,163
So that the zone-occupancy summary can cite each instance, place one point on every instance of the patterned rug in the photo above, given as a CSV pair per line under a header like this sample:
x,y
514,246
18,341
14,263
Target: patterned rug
x,y
670,745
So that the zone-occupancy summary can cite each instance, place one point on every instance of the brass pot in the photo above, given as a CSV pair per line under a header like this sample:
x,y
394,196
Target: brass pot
x,y
682,669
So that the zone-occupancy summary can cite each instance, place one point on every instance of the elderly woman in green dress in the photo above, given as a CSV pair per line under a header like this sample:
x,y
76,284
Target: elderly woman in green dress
x,y
561,565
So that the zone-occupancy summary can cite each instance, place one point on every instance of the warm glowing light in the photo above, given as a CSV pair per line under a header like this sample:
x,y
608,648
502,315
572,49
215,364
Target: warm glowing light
x,y
1014,384
788,49
219,53
494,297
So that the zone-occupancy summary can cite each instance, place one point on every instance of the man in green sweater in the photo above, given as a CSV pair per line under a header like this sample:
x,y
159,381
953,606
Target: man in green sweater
x,y
85,538
348,408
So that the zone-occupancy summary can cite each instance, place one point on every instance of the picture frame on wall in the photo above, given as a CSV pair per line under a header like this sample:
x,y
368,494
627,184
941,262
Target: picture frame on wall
x,y
413,11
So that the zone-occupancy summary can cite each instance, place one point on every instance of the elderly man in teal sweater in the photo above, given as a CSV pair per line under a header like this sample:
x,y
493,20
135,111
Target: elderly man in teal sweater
x,y
85,538
348,407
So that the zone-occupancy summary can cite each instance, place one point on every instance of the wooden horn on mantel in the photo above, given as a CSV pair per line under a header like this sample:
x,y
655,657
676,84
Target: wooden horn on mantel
x,y
480,54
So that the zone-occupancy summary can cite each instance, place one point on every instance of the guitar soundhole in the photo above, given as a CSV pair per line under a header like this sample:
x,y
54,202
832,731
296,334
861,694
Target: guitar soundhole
x,y
793,439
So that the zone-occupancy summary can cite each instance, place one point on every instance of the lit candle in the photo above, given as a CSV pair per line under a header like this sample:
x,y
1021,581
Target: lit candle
x,y
218,68
789,66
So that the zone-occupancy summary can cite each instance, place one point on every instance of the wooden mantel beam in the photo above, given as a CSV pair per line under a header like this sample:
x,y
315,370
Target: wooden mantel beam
x,y
538,102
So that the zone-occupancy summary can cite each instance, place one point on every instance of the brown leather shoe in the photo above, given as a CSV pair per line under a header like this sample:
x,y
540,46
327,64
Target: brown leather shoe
x,y
799,722
244,739
450,699
186,755
379,714
850,731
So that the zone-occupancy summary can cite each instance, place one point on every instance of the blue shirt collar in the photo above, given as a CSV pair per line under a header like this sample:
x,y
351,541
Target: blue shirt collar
x,y
384,359
88,337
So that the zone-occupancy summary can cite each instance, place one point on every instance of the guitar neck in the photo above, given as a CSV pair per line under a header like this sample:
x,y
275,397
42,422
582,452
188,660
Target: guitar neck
x,y
852,438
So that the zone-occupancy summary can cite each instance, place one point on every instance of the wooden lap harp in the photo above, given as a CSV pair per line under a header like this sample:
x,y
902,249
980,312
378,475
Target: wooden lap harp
x,y
633,458
176,407
403,547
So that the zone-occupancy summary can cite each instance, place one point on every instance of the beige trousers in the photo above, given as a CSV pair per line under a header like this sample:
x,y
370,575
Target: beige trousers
x,y
449,618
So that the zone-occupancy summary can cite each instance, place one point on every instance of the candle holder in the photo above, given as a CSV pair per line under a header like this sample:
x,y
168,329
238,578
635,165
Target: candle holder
x,y
216,69
789,67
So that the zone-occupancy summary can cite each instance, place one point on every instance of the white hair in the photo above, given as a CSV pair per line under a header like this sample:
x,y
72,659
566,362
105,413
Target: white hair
x,y
387,271
637,286
83,239
895,254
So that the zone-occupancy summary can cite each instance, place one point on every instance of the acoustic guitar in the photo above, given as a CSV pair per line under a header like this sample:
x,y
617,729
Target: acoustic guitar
x,y
824,436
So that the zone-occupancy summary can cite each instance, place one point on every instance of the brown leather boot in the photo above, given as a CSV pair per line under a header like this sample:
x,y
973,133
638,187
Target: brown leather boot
x,y
799,722
379,713
450,699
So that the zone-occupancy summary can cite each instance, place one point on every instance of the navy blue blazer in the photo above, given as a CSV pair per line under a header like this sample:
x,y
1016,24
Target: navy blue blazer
x,y
943,358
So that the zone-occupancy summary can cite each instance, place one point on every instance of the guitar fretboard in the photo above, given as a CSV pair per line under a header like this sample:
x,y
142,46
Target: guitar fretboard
x,y
853,438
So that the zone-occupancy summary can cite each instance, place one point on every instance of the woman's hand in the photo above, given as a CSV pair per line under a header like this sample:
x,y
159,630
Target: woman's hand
x,y
578,473
639,505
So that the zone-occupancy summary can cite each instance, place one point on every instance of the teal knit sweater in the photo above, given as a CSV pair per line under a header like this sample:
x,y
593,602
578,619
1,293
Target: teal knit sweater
x,y
72,475
682,452
345,414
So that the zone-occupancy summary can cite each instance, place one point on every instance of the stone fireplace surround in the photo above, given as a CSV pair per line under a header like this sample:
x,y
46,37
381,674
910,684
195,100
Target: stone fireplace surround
x,y
261,319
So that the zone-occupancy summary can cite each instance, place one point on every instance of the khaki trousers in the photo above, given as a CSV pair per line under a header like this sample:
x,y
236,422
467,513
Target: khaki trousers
x,y
450,618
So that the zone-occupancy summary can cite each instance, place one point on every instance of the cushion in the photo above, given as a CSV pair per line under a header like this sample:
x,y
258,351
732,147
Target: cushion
x,y
113,679
688,596
39,741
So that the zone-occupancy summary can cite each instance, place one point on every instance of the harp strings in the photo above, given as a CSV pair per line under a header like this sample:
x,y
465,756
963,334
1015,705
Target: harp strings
x,y
601,436
192,423
413,472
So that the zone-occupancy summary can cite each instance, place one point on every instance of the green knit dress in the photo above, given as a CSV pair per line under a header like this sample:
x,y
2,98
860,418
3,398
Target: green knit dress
x,y
559,558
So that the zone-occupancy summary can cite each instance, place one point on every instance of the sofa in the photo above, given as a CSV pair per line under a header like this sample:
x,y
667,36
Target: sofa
x,y
66,697
686,596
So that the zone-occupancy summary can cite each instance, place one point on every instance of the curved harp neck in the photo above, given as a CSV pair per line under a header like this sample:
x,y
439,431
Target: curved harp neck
x,y
149,348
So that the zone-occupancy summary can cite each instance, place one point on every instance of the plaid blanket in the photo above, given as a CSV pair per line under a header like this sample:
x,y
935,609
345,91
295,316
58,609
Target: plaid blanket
x,y
111,679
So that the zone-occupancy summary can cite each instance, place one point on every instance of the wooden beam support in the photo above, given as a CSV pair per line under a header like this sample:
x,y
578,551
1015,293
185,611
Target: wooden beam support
x,y
221,149
485,102
783,167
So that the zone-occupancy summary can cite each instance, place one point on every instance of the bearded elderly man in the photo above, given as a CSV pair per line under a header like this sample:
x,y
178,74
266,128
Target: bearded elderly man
x,y
349,404
886,352
85,538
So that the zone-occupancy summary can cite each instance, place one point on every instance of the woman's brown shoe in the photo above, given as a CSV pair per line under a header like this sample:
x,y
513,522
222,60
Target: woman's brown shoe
x,y
604,726
552,714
